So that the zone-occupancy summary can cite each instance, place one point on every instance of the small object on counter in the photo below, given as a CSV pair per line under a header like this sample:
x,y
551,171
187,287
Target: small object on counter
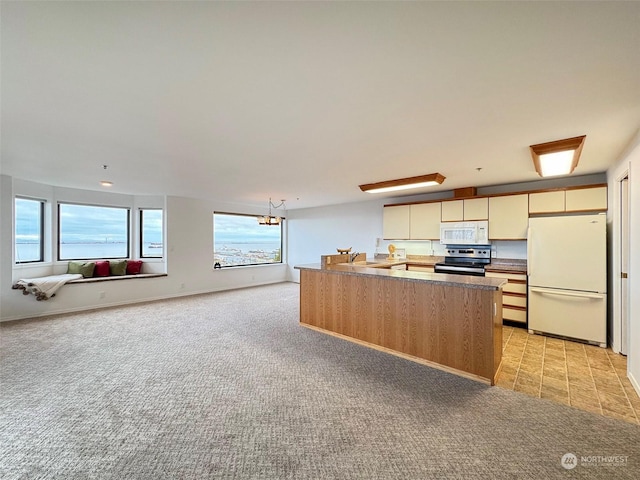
x,y
342,251
392,249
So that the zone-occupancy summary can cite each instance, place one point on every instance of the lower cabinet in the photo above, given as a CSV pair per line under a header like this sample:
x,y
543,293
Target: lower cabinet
x,y
514,296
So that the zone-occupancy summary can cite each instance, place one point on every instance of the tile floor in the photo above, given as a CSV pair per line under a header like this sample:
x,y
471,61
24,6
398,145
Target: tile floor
x,y
583,376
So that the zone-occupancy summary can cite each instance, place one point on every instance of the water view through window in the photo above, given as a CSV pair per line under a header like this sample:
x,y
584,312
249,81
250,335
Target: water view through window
x,y
90,232
151,233
29,230
240,240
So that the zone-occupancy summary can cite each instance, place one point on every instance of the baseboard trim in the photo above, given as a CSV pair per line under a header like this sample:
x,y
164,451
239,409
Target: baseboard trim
x,y
634,383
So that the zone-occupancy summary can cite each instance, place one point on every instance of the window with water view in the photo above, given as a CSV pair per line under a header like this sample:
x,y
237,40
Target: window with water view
x,y
151,233
29,229
240,240
92,232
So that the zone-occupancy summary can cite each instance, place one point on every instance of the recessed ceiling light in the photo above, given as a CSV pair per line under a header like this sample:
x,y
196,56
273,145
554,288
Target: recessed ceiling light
x,y
106,183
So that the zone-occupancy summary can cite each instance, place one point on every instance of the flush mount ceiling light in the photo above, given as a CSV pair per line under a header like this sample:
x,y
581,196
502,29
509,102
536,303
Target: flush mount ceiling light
x,y
106,183
403,183
557,158
269,219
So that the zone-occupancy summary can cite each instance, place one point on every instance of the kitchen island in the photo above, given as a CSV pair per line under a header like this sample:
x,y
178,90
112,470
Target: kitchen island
x,y
451,322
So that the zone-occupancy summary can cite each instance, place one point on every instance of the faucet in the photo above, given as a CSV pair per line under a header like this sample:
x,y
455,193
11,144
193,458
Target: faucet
x,y
352,256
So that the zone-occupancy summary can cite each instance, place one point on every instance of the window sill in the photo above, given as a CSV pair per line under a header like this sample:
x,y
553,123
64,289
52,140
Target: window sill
x,y
256,265
116,277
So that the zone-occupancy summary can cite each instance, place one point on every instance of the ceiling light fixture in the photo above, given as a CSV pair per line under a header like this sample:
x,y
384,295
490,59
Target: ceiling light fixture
x,y
403,183
106,183
559,157
269,219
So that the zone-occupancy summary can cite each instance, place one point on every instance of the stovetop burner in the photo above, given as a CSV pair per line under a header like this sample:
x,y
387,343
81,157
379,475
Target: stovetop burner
x,y
465,260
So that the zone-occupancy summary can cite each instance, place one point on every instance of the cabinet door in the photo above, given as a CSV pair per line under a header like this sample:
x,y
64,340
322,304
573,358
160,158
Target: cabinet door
x,y
425,221
582,199
395,222
508,217
546,202
514,314
453,211
476,209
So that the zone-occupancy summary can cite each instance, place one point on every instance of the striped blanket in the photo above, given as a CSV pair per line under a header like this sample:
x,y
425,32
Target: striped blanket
x,y
44,287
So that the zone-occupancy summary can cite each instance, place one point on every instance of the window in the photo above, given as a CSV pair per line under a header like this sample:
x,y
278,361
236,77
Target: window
x,y
240,240
29,230
90,232
151,233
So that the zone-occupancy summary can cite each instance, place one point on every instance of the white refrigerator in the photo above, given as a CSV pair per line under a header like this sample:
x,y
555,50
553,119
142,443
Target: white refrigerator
x,y
567,268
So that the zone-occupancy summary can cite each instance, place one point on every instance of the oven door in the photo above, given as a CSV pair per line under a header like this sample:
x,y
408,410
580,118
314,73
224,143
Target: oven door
x,y
460,269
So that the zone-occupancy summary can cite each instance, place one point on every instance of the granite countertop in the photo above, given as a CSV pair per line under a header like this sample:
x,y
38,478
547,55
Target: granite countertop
x,y
514,265
465,281
426,260
507,265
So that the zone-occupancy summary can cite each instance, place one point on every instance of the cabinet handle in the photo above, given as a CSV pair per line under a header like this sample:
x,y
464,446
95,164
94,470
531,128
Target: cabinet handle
x,y
529,242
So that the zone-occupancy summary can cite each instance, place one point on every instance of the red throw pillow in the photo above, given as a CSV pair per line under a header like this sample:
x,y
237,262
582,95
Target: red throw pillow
x,y
101,269
134,267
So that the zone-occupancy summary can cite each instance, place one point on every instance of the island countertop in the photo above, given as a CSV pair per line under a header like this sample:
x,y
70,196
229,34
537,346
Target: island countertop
x,y
382,269
451,322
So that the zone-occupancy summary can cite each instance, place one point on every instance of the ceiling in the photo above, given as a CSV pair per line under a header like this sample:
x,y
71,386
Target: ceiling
x,y
304,101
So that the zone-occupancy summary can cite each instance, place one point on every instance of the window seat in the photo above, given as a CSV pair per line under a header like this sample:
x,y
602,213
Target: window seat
x,y
116,277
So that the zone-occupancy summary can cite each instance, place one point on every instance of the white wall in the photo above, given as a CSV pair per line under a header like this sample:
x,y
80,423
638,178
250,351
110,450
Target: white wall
x,y
189,245
6,238
633,358
628,164
189,256
319,231
613,243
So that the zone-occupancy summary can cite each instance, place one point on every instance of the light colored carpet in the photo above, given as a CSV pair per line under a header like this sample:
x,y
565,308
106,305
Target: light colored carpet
x,y
228,385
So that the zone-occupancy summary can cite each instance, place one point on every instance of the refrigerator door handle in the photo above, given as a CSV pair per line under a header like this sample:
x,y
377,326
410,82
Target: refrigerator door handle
x,y
566,293
529,242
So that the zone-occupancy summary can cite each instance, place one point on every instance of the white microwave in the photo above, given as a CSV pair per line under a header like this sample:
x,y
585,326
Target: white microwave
x,y
464,233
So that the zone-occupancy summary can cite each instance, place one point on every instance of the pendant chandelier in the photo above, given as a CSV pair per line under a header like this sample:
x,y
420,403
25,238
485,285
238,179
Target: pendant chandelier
x,y
270,219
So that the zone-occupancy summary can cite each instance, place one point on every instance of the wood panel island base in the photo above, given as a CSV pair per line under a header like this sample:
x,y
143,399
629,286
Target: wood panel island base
x,y
450,322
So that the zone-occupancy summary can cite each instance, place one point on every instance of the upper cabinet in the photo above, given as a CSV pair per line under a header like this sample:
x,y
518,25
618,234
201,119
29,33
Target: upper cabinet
x,y
476,209
453,211
395,222
545,202
508,217
571,200
420,221
424,221
586,199
465,210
